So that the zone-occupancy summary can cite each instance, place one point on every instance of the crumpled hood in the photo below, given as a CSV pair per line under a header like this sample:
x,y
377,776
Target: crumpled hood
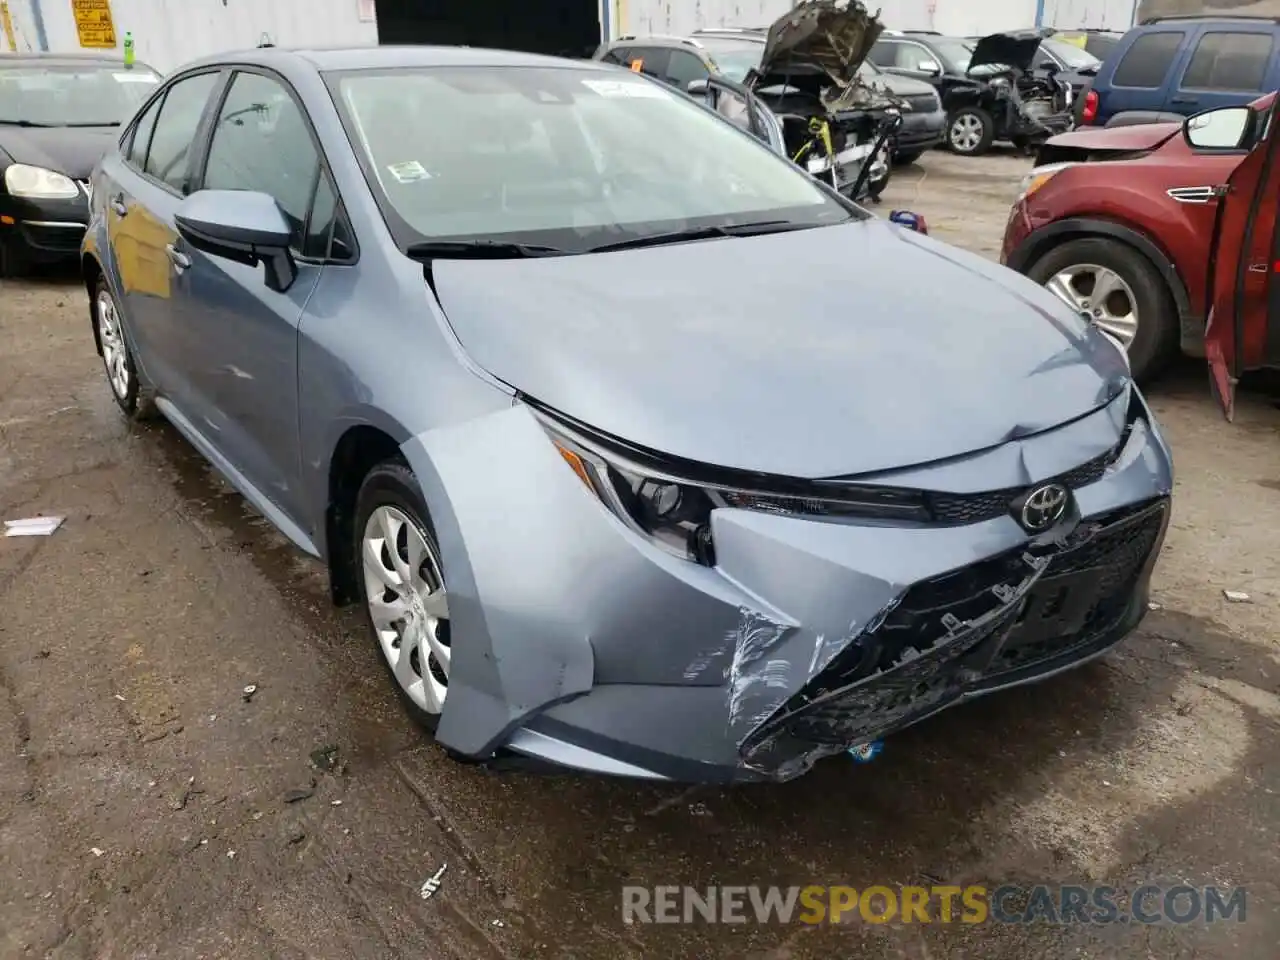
x,y
817,353
72,151
1138,136
828,36
1016,49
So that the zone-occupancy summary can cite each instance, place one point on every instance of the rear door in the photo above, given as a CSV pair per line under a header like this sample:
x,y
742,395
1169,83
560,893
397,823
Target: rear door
x,y
1222,66
1141,73
1245,289
141,202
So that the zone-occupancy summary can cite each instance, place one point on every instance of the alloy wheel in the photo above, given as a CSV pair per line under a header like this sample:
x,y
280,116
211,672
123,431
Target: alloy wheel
x,y
1103,296
115,355
966,132
408,605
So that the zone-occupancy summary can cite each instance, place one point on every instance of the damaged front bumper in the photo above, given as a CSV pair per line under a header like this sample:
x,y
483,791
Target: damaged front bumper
x,y
579,643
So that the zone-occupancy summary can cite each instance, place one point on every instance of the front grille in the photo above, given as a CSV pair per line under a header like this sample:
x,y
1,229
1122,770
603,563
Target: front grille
x,y
962,508
974,628
922,102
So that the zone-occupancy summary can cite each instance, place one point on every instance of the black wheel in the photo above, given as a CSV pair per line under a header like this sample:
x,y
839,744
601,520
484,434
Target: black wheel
x,y
14,261
905,157
401,582
134,398
970,131
1121,290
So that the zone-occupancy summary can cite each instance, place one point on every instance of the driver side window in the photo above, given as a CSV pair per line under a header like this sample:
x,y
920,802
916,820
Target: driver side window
x,y
261,142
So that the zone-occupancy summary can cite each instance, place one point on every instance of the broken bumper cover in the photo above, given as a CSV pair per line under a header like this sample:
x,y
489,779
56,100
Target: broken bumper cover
x,y
579,643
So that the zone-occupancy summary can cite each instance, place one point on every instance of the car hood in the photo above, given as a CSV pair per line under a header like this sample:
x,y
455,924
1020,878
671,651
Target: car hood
x,y
821,35
828,352
73,151
1017,49
1141,136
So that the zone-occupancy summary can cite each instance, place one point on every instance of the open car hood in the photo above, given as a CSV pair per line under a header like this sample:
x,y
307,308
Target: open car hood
x,y
822,39
1016,49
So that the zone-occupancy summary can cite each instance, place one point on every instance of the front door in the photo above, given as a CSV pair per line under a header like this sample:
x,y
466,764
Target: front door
x,y
1245,262
243,336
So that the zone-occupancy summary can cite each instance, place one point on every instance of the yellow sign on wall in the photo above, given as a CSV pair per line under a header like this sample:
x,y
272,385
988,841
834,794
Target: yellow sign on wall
x,y
94,23
7,24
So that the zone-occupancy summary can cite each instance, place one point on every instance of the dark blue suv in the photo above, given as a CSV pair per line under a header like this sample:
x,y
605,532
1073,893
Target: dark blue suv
x,y
1168,68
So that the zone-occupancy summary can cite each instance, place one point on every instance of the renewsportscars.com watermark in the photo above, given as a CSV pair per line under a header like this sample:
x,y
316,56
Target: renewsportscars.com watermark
x,y
1042,903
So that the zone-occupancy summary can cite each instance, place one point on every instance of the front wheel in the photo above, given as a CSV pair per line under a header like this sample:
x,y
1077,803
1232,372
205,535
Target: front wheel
x,y
1120,291
970,131
122,371
402,585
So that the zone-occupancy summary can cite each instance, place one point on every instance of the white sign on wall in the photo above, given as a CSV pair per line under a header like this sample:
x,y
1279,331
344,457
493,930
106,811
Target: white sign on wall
x,y
367,10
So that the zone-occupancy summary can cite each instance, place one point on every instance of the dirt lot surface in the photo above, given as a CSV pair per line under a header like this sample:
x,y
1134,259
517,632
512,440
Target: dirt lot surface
x,y
148,810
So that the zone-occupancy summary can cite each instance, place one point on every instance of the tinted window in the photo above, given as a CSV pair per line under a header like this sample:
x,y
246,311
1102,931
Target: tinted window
x,y
909,56
175,130
1229,61
651,60
1100,46
327,232
261,142
883,53
1147,61
684,68
614,56
137,154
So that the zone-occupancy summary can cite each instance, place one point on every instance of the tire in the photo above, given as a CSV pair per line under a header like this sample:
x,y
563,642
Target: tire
x,y
390,489
1156,339
906,157
135,398
973,118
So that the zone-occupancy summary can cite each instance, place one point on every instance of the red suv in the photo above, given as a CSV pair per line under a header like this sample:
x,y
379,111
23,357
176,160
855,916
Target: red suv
x,y
1164,234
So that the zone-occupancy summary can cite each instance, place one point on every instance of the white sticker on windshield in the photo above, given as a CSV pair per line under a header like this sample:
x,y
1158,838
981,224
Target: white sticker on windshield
x,y
409,171
626,89
135,78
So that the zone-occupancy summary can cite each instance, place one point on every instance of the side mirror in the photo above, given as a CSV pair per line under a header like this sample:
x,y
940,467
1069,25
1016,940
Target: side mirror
x,y
932,67
1226,128
699,87
240,225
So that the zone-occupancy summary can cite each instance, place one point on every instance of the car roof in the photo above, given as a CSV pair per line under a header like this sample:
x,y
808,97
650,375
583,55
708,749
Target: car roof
x,y
63,60
326,59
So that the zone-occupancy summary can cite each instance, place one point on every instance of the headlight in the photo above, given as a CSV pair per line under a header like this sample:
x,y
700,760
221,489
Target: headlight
x,y
1038,177
38,183
674,512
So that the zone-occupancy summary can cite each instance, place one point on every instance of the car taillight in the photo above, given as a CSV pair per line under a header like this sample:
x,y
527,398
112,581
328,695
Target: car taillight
x,y
1090,112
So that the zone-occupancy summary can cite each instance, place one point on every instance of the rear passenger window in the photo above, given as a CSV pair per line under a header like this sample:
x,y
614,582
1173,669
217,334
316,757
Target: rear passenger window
x,y
684,68
1146,62
137,155
169,155
882,54
647,60
1229,61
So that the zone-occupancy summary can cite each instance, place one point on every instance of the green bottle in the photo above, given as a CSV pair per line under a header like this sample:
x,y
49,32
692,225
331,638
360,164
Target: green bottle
x,y
128,49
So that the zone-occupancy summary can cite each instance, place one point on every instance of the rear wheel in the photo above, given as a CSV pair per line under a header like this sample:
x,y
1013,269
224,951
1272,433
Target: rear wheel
x,y
402,585
1122,293
970,131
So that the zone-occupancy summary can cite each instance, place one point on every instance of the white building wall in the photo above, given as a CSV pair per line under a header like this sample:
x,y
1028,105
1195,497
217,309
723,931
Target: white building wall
x,y
1090,14
169,33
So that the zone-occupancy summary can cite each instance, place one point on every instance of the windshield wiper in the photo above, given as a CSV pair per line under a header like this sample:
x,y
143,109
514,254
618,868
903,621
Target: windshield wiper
x,y
22,123
479,250
703,233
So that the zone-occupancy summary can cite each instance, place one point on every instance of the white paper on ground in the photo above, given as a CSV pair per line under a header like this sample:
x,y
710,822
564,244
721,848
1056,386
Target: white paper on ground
x,y
32,526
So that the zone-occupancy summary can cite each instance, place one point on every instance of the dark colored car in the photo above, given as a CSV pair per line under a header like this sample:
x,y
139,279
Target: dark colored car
x,y
991,89
1169,68
734,51
642,451
58,115
1146,230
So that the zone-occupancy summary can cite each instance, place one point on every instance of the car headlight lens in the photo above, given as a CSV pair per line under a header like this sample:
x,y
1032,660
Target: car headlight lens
x,y
674,512
1038,177
21,180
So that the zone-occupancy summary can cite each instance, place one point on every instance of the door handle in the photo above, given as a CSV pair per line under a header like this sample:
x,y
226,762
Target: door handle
x,y
117,204
1186,100
179,259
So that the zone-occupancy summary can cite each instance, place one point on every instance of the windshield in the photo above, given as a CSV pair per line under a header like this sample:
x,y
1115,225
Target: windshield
x,y
734,58
1071,56
955,53
561,157
72,96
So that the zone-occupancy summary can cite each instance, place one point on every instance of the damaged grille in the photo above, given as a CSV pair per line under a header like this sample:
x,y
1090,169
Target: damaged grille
x,y
963,508
969,630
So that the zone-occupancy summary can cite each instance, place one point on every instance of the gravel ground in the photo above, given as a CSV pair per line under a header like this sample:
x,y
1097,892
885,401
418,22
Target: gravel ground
x,y
148,810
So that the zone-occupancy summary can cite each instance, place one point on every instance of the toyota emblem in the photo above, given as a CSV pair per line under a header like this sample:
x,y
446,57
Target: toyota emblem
x,y
1044,506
